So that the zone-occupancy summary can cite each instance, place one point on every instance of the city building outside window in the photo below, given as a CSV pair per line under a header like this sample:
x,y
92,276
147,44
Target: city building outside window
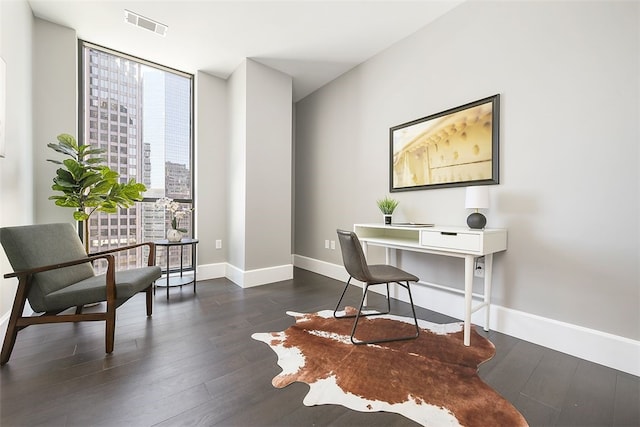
x,y
144,114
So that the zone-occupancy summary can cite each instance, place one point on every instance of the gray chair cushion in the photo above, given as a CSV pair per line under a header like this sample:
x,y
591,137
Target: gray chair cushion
x,y
356,264
56,243
93,289
383,273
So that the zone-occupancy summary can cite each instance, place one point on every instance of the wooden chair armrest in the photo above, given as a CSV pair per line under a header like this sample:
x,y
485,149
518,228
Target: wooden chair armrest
x,y
110,259
152,251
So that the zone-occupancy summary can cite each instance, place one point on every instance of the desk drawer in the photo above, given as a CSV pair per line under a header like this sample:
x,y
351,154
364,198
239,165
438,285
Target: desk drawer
x,y
450,240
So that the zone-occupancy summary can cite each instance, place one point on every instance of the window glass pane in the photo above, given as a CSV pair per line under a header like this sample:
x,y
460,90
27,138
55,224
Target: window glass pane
x,y
144,113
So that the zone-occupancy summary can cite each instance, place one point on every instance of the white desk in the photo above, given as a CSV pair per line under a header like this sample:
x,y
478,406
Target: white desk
x,y
460,242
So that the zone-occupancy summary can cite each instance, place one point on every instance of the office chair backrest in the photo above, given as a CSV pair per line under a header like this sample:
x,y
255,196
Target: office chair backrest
x,y
353,256
34,246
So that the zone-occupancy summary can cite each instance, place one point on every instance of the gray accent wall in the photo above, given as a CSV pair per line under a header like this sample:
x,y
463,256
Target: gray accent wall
x,y
568,76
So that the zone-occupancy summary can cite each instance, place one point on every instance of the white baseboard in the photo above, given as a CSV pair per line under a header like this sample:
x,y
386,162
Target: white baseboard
x,y
4,321
596,346
263,276
321,267
245,279
212,271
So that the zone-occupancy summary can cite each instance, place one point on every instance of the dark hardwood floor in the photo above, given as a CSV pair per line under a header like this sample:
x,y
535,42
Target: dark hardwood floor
x,y
194,363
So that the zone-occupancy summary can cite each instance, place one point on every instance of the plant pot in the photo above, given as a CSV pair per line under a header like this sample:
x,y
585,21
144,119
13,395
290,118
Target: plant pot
x,y
387,219
174,235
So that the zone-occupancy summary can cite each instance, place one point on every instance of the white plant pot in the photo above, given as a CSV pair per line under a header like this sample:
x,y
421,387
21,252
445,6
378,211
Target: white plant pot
x,y
174,235
387,219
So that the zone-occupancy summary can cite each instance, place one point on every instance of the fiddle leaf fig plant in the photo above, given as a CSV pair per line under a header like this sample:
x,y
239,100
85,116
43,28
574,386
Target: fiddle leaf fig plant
x,y
87,184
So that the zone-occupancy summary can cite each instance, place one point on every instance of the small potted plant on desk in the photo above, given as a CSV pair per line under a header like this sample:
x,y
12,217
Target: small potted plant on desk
x,y
387,206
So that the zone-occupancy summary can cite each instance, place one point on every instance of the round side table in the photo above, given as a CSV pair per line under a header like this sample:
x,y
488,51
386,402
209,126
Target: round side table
x,y
177,279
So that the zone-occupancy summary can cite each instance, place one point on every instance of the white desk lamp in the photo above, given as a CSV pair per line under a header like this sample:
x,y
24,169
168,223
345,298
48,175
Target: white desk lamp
x,y
477,197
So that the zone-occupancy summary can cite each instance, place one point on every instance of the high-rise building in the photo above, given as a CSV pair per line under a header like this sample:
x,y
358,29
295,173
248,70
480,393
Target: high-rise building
x,y
141,117
112,111
166,125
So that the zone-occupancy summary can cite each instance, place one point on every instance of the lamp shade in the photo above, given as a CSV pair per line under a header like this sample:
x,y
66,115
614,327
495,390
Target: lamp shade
x,y
477,197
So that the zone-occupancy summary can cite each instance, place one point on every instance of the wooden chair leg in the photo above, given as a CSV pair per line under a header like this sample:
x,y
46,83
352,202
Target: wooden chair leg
x,y
149,293
110,328
9,340
12,326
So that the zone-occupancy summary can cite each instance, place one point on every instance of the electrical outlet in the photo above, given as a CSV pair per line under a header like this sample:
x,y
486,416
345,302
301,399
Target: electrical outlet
x,y
326,244
333,244
218,244
478,271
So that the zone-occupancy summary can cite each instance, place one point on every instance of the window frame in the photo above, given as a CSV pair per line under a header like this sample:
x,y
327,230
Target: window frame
x,y
82,106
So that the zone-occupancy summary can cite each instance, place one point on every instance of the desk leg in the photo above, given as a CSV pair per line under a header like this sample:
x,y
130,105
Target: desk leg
x,y
387,260
364,251
468,294
488,264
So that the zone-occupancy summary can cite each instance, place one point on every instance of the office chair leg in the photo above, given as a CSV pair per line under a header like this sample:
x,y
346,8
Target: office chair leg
x,y
340,301
351,316
375,341
413,310
357,316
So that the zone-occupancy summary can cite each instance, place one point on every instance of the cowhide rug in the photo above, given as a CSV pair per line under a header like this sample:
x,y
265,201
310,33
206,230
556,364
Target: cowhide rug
x,y
432,380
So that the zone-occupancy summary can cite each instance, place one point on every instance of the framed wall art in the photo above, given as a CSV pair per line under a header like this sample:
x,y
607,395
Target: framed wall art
x,y
454,148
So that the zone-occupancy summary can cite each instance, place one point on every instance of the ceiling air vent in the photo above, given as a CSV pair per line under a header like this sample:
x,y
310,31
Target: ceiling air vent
x,y
146,23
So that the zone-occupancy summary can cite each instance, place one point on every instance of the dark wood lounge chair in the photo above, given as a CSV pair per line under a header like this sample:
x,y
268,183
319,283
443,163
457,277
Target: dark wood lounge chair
x,y
55,274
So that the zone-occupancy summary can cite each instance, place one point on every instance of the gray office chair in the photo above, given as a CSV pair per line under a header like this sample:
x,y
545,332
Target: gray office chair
x,y
377,274
54,273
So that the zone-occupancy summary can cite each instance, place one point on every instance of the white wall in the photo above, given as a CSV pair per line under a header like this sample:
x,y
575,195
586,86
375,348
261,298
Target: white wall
x,y
221,135
236,166
211,168
55,110
50,81
259,175
569,192
269,141
16,169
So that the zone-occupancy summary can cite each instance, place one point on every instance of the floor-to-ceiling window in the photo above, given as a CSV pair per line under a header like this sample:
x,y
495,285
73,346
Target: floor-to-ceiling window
x,y
141,114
